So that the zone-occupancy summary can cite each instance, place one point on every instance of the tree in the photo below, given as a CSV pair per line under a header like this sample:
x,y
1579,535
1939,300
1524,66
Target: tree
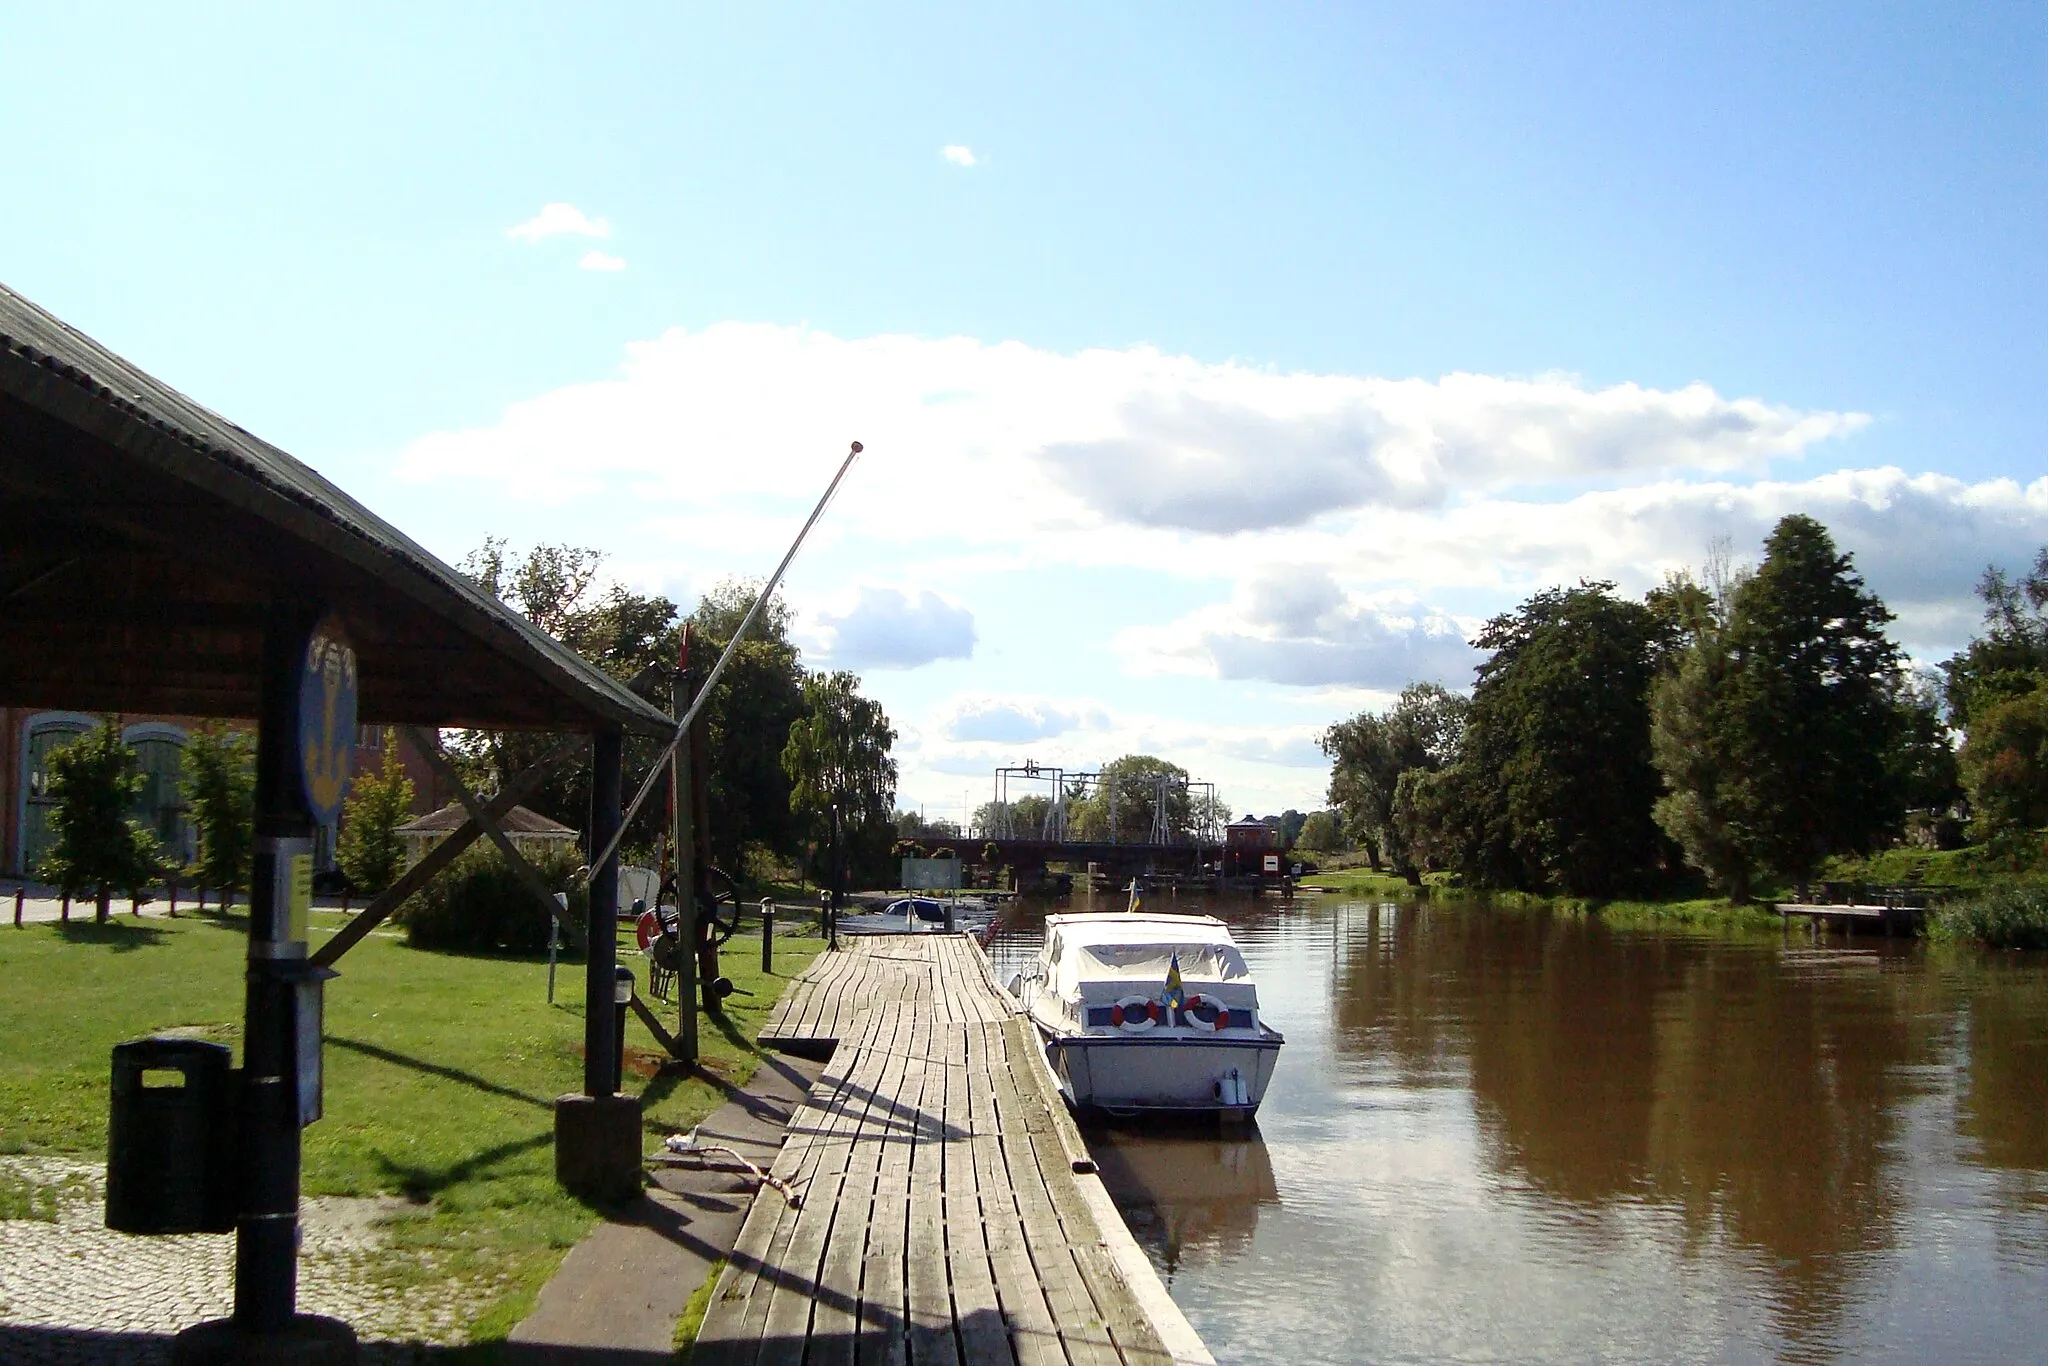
x,y
2011,657
749,717
1808,709
1287,825
220,792
1022,819
1553,785
559,589
1322,833
2005,768
1420,731
838,755
94,780
1125,798
370,851
1690,734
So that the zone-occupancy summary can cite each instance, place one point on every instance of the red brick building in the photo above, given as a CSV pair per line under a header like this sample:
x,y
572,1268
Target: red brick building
x,y
27,737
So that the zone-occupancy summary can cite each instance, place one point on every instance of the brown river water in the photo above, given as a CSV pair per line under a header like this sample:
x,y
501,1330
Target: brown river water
x,y
1506,1136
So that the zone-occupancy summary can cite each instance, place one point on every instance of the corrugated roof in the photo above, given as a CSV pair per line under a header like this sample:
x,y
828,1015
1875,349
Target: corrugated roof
x,y
107,403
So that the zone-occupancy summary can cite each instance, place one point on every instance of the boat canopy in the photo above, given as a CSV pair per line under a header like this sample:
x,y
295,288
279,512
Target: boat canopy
x,y
1109,951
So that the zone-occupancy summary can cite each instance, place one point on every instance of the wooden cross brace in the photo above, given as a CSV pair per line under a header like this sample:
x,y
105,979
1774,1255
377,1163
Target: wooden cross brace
x,y
483,819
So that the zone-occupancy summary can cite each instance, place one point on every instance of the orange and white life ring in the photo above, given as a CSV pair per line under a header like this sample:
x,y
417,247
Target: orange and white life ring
x,y
1135,1014
1218,1014
647,929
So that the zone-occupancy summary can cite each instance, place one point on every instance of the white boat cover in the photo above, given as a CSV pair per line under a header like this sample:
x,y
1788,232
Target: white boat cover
x,y
1100,958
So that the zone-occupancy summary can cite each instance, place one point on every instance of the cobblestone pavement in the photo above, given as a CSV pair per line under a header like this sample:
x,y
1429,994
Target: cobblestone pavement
x,y
72,1291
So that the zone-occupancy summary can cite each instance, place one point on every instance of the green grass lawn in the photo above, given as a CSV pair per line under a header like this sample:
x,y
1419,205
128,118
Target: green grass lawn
x,y
441,1073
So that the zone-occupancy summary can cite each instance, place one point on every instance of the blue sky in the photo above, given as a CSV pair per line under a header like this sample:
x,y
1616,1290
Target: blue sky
x,y
1241,363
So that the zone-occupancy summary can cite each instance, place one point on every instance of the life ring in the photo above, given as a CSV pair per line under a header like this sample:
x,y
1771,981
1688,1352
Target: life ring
x,y
1134,1014
647,929
1219,1017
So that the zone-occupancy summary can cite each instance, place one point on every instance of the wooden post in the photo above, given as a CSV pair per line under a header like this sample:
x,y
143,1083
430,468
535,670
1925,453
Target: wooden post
x,y
679,793
19,893
601,938
173,889
767,934
65,912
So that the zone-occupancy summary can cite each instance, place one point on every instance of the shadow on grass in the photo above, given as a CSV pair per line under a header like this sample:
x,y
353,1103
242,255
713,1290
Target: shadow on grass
x,y
424,1183
434,1069
120,936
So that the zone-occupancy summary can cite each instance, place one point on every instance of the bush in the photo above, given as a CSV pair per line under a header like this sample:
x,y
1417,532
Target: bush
x,y
2010,918
478,904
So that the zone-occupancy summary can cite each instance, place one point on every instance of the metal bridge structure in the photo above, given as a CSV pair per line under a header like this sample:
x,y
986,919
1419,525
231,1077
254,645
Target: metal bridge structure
x,y
1084,816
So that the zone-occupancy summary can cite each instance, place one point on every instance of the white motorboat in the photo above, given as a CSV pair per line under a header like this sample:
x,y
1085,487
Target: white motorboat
x,y
1143,1012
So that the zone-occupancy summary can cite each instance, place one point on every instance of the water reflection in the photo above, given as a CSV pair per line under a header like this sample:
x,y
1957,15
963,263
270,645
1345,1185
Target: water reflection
x,y
1502,1135
1189,1196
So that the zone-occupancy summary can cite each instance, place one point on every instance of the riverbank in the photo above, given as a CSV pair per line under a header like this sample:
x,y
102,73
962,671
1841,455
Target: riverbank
x,y
441,1073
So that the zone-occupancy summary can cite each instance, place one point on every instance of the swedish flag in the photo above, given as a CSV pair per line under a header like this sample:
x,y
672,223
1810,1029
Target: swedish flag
x,y
1175,997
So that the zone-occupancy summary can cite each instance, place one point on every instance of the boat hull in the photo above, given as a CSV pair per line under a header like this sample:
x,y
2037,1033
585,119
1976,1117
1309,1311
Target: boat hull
x,y
1134,1074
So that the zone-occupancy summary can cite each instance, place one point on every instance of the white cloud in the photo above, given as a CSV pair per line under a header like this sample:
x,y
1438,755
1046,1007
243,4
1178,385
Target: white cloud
x,y
885,628
958,154
1296,626
555,220
600,260
1011,720
1131,439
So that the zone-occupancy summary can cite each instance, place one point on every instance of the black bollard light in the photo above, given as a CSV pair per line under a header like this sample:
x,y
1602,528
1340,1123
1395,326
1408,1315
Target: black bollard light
x,y
622,996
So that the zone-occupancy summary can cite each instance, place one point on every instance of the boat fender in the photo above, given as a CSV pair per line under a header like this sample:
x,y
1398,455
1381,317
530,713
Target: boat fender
x,y
1221,1020
1134,1014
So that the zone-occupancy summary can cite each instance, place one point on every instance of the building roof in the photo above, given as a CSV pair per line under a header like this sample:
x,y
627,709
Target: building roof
x,y
147,539
518,821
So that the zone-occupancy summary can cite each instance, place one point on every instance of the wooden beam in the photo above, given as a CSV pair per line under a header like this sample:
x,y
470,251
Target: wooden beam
x,y
429,746
439,857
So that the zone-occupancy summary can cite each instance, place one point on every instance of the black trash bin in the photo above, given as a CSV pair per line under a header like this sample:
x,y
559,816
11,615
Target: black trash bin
x,y
170,1138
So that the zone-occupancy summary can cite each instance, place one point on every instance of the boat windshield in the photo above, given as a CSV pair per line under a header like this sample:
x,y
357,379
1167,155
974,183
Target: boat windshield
x,y
1127,962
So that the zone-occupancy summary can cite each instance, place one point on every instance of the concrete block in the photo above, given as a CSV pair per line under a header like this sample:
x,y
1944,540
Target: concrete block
x,y
597,1146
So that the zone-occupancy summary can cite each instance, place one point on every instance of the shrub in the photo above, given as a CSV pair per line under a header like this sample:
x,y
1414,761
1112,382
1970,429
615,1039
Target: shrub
x,y
2010,918
371,852
478,904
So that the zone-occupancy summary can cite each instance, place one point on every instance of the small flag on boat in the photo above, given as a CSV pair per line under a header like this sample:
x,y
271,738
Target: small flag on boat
x,y
1175,997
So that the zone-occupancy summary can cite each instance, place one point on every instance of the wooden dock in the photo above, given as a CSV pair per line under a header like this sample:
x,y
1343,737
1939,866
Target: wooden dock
x,y
949,1212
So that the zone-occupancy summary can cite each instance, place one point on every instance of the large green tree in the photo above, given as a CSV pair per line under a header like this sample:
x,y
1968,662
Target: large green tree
x,y
1372,750
2005,766
1121,804
94,780
837,754
1808,713
749,715
1554,783
220,794
2011,656
631,636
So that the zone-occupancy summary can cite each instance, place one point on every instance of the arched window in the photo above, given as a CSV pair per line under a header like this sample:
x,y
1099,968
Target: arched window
x,y
42,734
160,752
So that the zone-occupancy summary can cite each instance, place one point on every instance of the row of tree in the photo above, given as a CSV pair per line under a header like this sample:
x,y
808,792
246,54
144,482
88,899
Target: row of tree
x,y
786,745
1741,724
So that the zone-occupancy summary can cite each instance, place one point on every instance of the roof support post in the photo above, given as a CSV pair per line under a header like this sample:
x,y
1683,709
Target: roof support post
x,y
597,1131
601,1043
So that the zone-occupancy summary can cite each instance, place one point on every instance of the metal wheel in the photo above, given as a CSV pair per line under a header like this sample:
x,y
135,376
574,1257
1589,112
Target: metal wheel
x,y
718,913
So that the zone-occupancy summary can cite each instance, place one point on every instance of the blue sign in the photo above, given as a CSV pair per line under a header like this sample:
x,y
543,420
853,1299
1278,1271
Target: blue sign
x,y
327,719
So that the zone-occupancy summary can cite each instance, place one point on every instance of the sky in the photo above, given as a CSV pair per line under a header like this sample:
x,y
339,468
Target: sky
x,y
1220,369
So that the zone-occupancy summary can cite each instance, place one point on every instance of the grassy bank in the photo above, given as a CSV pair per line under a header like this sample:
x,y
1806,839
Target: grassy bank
x,y
441,1072
1691,911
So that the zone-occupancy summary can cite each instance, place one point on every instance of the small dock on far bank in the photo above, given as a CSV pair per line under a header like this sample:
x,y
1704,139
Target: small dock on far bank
x,y
949,1210
1854,906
